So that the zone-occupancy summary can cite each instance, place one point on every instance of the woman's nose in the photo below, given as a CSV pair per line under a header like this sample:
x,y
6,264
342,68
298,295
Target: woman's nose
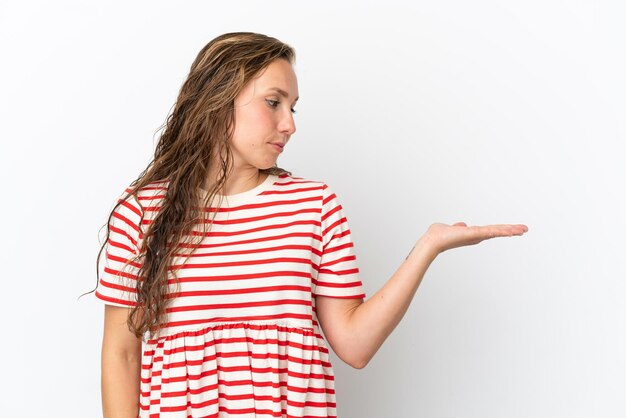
x,y
288,124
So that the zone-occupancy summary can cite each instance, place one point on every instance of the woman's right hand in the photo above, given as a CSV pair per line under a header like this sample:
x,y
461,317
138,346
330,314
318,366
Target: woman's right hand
x,y
442,237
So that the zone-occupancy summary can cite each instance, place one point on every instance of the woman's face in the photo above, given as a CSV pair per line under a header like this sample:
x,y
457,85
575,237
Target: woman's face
x,y
264,116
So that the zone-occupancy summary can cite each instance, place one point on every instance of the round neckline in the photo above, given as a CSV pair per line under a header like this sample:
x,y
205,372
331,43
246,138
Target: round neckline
x,y
238,197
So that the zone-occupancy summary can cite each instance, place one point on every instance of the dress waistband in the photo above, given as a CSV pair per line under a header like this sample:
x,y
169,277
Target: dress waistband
x,y
288,326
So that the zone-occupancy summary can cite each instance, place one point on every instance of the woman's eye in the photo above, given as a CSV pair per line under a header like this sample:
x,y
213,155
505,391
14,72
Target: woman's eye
x,y
275,103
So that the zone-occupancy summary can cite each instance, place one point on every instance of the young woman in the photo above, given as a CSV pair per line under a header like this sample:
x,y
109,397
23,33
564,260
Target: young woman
x,y
229,320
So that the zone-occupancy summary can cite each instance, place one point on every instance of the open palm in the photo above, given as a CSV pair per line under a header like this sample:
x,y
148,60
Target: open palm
x,y
445,237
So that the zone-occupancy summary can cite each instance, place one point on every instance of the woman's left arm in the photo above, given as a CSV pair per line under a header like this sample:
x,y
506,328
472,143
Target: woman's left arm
x,y
356,329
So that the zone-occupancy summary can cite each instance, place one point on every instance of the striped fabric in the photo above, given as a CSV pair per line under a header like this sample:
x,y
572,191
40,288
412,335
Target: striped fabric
x,y
241,336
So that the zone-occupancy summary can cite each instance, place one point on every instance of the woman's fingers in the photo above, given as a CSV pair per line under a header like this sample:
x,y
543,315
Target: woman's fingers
x,y
446,237
493,231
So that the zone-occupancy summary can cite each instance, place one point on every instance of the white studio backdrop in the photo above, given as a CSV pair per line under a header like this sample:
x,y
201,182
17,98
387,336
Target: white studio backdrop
x,y
415,112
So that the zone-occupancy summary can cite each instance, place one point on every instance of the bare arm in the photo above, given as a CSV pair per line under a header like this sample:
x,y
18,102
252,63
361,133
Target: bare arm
x,y
356,329
121,366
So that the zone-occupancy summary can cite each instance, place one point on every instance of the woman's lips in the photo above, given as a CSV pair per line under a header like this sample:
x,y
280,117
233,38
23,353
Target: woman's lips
x,y
277,147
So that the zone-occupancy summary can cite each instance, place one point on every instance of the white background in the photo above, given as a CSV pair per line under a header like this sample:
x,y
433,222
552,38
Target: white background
x,y
416,112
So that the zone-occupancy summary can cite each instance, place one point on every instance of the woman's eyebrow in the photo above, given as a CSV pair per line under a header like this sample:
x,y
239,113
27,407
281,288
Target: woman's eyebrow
x,y
283,92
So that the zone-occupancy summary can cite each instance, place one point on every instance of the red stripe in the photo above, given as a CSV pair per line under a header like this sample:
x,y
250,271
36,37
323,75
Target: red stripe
x,y
245,291
239,305
114,300
244,382
249,219
127,221
260,275
262,205
247,339
244,354
241,263
120,273
270,371
123,246
361,296
128,205
224,209
290,388
327,198
339,247
312,235
336,209
252,230
338,285
291,191
117,286
339,260
305,248
233,340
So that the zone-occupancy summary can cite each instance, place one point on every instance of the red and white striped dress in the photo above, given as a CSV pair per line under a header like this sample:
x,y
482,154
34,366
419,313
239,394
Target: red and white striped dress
x,y
242,338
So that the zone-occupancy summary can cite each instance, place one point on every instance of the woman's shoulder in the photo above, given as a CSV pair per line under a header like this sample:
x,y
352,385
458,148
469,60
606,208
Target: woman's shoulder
x,y
286,178
140,200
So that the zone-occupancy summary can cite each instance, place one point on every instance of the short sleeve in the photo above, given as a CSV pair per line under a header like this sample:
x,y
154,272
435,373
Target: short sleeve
x,y
117,284
338,273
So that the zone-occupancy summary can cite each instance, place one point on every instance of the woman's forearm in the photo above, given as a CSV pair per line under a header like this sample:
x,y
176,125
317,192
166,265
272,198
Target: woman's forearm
x,y
120,386
373,321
